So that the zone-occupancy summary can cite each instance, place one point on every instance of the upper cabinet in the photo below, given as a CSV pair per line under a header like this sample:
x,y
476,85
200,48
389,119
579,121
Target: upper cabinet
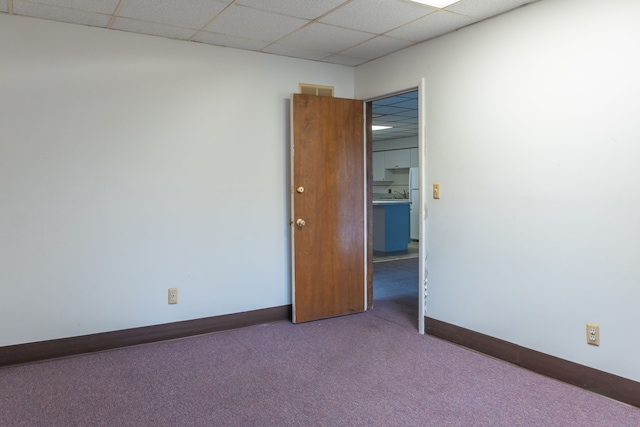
x,y
385,162
380,172
397,159
414,157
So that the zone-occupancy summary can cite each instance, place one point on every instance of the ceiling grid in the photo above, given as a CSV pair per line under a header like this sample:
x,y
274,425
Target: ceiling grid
x,y
344,32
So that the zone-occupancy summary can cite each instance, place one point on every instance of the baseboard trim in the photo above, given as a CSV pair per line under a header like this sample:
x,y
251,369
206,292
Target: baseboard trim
x,y
604,383
52,349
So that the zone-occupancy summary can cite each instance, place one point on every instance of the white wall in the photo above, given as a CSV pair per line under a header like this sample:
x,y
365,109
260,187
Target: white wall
x,y
394,144
130,164
532,131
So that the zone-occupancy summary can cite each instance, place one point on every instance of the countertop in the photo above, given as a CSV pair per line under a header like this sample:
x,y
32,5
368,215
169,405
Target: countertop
x,y
390,202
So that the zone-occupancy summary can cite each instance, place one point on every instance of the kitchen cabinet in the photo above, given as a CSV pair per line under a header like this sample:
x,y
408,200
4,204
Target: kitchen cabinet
x,y
397,159
414,162
380,172
390,226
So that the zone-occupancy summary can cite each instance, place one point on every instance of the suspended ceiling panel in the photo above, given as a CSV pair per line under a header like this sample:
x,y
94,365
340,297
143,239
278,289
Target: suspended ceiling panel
x,y
346,32
399,112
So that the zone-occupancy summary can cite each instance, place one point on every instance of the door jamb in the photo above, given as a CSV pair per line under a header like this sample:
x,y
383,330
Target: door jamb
x,y
423,247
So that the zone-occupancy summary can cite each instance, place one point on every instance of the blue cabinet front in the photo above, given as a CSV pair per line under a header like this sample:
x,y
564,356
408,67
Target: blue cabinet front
x,y
391,227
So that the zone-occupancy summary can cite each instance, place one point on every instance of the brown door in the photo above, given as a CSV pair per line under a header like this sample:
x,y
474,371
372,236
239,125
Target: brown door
x,y
328,207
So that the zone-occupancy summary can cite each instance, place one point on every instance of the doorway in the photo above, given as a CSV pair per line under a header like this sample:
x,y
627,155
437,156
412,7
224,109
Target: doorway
x,y
416,103
396,203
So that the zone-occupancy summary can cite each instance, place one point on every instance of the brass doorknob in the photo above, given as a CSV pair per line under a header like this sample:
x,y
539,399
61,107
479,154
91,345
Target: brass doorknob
x,y
300,223
300,190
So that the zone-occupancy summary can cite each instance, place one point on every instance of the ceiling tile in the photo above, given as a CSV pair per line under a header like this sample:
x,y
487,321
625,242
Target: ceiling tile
x,y
100,6
385,109
387,101
54,13
190,14
430,26
390,118
340,31
399,99
377,16
295,52
481,9
300,9
265,26
151,28
410,121
406,103
403,126
344,60
403,133
229,41
325,38
406,113
376,47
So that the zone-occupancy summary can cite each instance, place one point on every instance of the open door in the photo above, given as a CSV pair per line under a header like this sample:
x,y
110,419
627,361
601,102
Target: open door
x,y
328,209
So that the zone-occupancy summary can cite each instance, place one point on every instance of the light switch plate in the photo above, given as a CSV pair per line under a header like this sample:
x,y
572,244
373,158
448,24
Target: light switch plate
x,y
436,190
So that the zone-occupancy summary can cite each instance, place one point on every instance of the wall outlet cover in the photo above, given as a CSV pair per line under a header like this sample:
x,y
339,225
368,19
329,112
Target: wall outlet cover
x,y
173,295
593,334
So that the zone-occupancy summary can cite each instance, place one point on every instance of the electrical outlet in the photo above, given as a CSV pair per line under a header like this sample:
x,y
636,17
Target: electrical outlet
x,y
173,295
593,334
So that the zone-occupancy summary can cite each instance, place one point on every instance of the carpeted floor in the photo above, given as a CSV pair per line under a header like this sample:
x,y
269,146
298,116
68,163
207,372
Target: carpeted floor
x,y
395,288
370,369
411,252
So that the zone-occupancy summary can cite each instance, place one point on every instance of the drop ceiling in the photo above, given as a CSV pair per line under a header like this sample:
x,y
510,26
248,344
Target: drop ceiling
x,y
335,31
399,112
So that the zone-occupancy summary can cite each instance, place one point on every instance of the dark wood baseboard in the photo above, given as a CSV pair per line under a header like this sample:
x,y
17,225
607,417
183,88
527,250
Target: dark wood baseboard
x,y
42,350
606,384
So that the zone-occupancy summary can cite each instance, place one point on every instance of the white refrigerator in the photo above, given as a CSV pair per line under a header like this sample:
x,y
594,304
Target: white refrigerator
x,y
414,198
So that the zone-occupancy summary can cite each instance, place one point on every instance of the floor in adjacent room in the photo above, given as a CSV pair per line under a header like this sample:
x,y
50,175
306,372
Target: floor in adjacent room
x,y
411,252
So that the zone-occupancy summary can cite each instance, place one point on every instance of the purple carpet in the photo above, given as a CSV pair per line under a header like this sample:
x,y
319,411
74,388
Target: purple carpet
x,y
370,369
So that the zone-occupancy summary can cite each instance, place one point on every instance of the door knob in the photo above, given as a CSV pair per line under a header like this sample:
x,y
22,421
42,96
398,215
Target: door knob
x,y
300,223
300,190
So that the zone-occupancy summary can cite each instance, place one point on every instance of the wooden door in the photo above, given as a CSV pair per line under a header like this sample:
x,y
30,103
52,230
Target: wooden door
x,y
328,207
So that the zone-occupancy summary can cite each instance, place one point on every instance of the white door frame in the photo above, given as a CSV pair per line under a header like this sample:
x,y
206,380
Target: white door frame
x,y
423,247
